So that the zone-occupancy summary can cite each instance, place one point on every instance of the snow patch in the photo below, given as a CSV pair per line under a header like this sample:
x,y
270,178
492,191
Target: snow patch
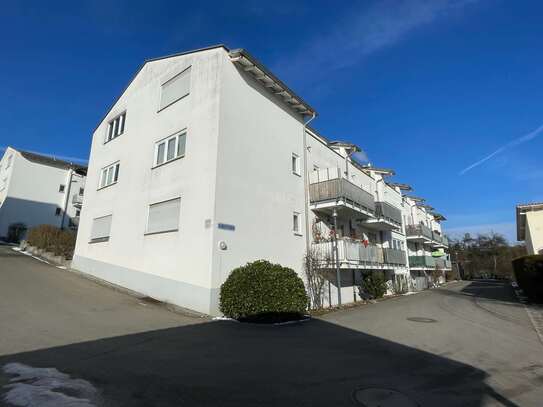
x,y
44,387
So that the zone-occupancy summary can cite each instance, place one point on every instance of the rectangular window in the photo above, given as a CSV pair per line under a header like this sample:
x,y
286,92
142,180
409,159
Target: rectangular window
x,y
295,164
296,223
101,228
164,216
174,89
77,212
81,191
116,127
110,175
61,188
171,148
57,212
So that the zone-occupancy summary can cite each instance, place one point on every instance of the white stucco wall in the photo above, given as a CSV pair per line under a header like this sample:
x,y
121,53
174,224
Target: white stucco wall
x,y
534,232
175,266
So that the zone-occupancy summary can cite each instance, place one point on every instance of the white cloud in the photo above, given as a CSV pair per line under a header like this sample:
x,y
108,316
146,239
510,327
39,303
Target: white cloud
x,y
366,31
520,140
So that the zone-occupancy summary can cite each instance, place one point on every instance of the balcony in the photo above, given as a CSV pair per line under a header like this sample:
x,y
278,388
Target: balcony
x,y
77,200
439,240
354,255
443,264
424,262
419,233
394,256
330,189
387,217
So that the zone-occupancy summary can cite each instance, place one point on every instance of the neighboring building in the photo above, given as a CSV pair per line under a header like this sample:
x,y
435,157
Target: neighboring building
x,y
37,189
204,163
530,226
426,243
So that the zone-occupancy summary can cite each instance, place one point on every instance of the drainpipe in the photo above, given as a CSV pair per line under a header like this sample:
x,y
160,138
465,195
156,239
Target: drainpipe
x,y
67,197
306,184
338,273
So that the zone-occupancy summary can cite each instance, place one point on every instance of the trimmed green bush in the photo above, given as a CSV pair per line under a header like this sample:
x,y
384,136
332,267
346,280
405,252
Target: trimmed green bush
x,y
529,275
261,290
374,285
52,239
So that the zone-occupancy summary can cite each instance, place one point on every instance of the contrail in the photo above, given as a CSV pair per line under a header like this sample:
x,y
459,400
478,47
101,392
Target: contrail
x,y
516,142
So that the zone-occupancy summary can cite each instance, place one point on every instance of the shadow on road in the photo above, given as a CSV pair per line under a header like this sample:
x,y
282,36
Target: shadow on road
x,y
230,364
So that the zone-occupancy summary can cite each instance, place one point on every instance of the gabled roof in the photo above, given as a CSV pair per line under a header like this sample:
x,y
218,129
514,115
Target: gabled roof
x,y
153,60
262,74
51,161
521,217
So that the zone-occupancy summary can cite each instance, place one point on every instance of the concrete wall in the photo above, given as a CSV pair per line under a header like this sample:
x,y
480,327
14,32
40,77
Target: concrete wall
x,y
175,266
31,193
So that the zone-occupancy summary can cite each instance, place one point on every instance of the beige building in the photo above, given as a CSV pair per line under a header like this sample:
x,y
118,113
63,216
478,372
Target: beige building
x,y
530,226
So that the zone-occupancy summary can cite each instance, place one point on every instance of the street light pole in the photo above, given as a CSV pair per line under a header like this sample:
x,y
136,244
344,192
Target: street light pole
x,y
336,250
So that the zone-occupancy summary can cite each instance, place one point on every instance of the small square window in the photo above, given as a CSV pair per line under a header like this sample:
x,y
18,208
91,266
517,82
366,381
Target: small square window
x,y
295,164
61,188
57,212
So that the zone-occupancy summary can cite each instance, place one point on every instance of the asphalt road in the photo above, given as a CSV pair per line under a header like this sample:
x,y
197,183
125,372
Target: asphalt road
x,y
467,344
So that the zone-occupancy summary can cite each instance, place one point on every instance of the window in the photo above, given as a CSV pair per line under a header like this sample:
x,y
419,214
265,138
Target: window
x,y
295,164
315,167
101,228
77,212
164,216
109,175
61,188
57,212
171,148
116,127
81,191
174,89
296,223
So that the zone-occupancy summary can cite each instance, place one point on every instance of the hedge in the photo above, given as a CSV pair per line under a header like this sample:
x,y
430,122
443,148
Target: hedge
x,y
529,275
52,239
262,290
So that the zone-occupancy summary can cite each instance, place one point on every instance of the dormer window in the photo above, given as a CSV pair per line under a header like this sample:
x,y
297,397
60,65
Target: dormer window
x,y
116,127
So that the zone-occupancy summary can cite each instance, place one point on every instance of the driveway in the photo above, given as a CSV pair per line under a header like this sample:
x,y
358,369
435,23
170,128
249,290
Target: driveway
x,y
468,344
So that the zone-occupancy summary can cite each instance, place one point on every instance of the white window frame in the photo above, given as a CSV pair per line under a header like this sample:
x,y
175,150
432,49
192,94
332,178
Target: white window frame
x,y
165,142
297,224
295,164
114,130
104,170
101,238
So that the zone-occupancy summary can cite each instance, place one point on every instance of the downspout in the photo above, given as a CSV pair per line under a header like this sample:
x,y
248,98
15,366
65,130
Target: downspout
x,y
67,197
306,184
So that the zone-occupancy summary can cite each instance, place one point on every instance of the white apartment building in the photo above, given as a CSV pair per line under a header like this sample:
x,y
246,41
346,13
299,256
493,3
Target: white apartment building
x,y
206,162
37,189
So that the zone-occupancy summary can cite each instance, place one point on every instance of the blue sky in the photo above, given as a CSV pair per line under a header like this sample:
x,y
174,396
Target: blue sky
x,y
447,93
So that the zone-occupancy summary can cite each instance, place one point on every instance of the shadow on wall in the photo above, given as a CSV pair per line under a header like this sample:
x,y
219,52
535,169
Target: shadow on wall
x,y
19,215
230,364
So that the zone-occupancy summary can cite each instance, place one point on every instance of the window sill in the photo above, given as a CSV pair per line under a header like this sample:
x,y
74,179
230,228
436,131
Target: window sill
x,y
99,240
160,232
107,186
167,162
172,103
297,174
297,234
114,138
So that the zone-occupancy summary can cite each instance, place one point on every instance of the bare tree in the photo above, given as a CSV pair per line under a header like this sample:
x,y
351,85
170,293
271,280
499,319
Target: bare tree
x,y
314,266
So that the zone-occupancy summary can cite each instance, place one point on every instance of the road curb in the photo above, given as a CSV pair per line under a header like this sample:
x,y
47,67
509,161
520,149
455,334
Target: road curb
x,y
535,313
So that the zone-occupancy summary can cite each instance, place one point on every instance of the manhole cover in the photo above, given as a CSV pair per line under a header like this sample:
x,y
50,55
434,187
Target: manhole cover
x,y
379,397
421,319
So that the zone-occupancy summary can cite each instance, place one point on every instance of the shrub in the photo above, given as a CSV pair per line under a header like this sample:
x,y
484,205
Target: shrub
x,y
261,290
52,239
374,285
529,274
